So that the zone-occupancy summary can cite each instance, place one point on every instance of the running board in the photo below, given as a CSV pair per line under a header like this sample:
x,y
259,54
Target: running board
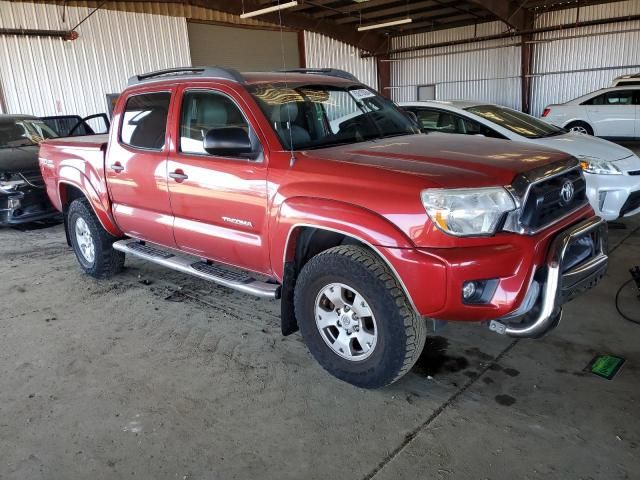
x,y
214,272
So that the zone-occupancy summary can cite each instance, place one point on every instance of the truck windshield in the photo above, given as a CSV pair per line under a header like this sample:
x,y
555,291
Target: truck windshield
x,y
19,132
317,116
517,122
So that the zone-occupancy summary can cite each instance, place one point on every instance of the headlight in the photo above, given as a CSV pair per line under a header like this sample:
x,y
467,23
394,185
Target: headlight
x,y
596,165
467,211
9,182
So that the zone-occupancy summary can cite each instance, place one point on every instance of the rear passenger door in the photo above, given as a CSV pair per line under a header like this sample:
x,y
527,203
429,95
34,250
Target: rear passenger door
x,y
136,168
612,114
219,202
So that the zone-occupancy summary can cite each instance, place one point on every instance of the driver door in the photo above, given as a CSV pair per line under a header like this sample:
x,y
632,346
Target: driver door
x,y
219,203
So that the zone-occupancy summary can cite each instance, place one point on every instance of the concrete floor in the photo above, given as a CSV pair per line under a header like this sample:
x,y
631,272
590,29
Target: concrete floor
x,y
156,375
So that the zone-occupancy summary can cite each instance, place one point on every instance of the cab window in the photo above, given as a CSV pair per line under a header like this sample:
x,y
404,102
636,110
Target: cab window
x,y
205,110
144,122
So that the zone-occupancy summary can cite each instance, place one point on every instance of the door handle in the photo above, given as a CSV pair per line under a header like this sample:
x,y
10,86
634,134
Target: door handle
x,y
116,167
178,176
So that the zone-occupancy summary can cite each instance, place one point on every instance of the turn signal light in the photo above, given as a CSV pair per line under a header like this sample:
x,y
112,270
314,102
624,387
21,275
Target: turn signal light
x,y
546,112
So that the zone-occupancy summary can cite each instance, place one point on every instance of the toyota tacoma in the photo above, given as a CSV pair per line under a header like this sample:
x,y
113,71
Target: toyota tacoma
x,y
309,187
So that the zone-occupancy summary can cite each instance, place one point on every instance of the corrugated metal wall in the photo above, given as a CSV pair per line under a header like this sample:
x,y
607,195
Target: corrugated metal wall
x,y
48,76
487,71
581,60
322,51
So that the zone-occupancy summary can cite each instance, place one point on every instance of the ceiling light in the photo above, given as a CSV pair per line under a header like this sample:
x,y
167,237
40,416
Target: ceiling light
x,y
275,8
385,24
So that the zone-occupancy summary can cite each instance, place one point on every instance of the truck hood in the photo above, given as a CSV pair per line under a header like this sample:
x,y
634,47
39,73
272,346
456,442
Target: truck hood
x,y
447,160
19,159
578,145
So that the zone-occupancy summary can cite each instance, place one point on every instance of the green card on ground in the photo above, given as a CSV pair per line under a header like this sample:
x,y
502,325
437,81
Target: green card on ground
x,y
606,366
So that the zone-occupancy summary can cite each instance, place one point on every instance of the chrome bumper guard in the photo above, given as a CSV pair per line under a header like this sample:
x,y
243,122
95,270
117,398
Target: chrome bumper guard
x,y
560,284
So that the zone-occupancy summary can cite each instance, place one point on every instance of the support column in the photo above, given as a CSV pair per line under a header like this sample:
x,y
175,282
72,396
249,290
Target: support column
x,y
384,75
526,63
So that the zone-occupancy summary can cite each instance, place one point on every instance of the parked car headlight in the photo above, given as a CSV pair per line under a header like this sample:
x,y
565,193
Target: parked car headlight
x,y
596,165
467,211
9,182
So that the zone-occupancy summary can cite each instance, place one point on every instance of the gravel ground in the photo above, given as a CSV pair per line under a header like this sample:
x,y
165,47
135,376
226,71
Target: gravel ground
x,y
157,375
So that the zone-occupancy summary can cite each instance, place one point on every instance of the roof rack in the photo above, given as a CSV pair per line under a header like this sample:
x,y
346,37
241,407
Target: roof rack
x,y
331,72
216,72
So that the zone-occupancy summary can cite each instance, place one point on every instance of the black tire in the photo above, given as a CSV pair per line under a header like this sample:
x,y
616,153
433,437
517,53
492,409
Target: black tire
x,y
107,261
579,126
401,332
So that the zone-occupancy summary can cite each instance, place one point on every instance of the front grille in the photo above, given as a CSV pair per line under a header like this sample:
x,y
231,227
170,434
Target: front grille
x,y
545,203
632,203
635,172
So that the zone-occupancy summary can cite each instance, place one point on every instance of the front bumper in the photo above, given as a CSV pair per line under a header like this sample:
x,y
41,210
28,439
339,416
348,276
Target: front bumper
x,y
25,206
576,261
614,196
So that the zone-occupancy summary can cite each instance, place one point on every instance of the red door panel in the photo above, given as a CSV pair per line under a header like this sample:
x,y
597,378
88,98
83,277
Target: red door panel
x,y
137,176
220,210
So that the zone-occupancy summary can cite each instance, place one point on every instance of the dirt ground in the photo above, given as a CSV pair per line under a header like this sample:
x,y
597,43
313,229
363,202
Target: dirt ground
x,y
156,375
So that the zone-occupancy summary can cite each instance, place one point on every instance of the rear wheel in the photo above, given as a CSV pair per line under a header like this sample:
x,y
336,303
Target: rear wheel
x,y
91,243
355,319
580,127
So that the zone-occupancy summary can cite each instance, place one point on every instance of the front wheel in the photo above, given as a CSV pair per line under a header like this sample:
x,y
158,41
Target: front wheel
x,y
355,318
91,243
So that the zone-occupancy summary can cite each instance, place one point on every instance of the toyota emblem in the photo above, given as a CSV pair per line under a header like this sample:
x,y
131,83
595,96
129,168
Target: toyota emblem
x,y
566,192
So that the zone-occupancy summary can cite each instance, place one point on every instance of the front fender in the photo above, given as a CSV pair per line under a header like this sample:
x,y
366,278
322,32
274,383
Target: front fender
x,y
351,220
75,178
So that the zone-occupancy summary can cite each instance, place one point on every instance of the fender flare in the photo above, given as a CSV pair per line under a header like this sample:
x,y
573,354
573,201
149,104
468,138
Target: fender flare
x,y
73,177
364,225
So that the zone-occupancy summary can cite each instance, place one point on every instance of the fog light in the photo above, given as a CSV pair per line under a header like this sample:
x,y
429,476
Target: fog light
x,y
468,290
14,203
479,292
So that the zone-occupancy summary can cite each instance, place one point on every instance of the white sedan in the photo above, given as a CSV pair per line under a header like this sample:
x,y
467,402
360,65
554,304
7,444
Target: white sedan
x,y
612,171
612,113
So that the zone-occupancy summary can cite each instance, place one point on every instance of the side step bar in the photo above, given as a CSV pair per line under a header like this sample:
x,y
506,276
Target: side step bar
x,y
214,272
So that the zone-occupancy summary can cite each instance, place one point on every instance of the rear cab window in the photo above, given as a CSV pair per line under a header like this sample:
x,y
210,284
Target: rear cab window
x,y
144,120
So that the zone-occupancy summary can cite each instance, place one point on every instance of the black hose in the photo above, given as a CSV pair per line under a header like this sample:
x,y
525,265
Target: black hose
x,y
617,303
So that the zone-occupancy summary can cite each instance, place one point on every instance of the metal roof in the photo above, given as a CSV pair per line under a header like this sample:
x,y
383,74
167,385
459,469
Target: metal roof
x,y
429,15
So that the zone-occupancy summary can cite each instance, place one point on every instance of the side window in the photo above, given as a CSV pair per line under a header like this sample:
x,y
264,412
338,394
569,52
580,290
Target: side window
x,y
203,111
472,127
427,119
144,122
599,100
447,123
622,97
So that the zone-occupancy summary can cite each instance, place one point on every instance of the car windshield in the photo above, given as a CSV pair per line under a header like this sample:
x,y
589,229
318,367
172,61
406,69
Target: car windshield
x,y
517,122
318,116
21,132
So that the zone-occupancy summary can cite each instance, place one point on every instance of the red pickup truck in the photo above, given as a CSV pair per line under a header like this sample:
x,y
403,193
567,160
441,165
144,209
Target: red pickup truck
x,y
311,188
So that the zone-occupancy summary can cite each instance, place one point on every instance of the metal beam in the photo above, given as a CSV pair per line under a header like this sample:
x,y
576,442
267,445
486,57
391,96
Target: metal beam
x,y
32,32
506,10
484,38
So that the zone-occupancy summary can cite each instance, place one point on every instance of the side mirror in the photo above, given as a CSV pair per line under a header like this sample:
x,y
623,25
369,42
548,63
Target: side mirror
x,y
227,142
